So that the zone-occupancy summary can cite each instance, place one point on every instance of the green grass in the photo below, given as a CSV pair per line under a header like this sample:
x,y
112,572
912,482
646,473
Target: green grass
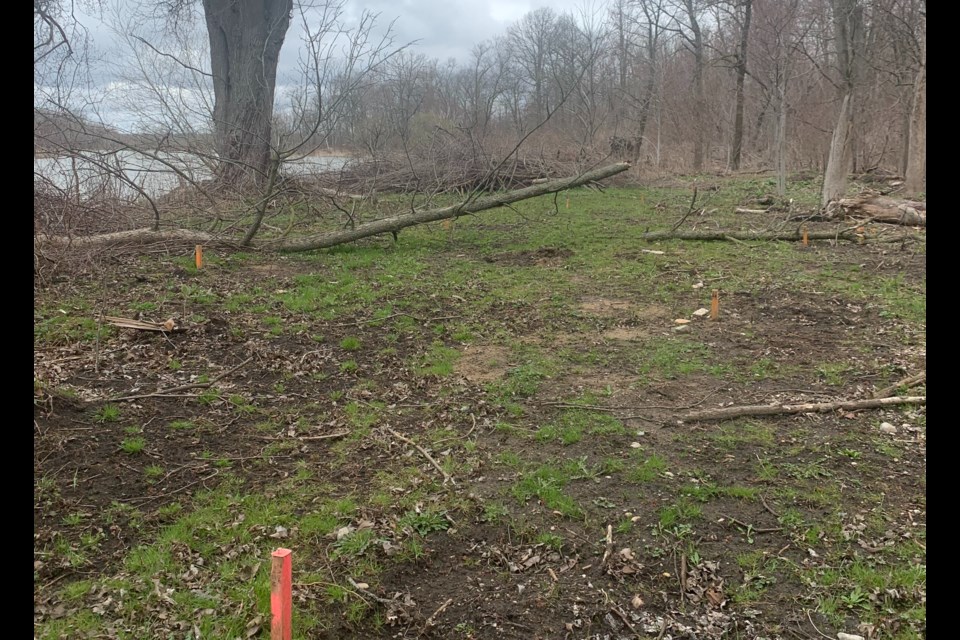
x,y
437,361
646,470
133,446
530,476
546,483
107,413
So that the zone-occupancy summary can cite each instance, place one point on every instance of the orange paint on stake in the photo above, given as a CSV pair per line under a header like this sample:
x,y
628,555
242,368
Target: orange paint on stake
x,y
199,255
806,238
281,601
715,305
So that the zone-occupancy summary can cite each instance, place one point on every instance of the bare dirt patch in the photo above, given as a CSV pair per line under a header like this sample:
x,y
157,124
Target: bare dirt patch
x,y
619,308
483,363
543,257
625,333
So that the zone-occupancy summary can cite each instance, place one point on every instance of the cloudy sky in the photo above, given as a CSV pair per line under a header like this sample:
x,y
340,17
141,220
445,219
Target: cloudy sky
x,y
441,29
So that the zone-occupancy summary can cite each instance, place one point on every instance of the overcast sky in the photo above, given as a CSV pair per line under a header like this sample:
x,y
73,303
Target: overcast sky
x,y
441,29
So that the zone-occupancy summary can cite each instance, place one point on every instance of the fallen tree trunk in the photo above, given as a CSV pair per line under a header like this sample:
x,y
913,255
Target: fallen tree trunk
x,y
881,209
145,235
727,413
396,223
323,241
790,236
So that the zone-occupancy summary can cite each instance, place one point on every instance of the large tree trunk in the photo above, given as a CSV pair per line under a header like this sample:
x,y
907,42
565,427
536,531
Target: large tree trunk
x,y
914,178
841,155
741,76
848,26
699,97
245,41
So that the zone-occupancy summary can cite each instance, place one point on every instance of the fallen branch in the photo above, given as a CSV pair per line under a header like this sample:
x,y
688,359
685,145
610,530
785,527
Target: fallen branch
x,y
395,223
906,383
778,409
367,592
134,236
432,619
446,476
130,323
743,210
609,548
185,387
750,527
788,236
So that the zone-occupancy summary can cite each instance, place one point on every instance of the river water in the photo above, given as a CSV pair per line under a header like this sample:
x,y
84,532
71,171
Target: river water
x,y
99,171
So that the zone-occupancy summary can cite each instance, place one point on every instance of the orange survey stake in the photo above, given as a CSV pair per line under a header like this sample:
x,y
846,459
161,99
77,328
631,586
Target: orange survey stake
x,y
199,256
715,305
281,603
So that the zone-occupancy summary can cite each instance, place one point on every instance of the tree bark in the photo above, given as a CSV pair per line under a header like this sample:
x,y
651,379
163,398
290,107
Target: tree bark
x,y
741,76
914,179
245,41
882,209
699,97
841,155
848,28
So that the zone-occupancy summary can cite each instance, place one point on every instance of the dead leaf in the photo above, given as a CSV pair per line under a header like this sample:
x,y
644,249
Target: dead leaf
x,y
637,602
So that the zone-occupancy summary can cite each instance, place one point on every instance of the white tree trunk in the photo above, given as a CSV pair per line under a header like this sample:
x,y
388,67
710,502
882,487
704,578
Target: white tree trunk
x,y
914,179
841,155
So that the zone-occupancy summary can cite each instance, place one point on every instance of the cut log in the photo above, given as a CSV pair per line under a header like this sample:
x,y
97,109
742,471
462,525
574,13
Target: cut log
x,y
881,209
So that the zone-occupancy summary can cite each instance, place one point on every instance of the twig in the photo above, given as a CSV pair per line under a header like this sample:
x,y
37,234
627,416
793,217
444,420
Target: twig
x,y
815,626
185,387
148,500
446,476
609,550
690,210
906,383
683,575
430,621
626,621
750,527
458,436
663,628
767,507
327,436
369,593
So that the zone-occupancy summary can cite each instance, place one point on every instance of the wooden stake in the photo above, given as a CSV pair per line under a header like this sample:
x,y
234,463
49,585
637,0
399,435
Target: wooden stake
x,y
568,202
281,602
198,254
715,305
806,237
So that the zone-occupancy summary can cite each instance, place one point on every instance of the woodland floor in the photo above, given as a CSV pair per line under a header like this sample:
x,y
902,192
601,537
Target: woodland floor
x,y
532,354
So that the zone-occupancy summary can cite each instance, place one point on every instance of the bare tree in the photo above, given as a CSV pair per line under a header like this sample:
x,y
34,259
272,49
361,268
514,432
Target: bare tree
x,y
686,19
848,33
915,175
743,15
